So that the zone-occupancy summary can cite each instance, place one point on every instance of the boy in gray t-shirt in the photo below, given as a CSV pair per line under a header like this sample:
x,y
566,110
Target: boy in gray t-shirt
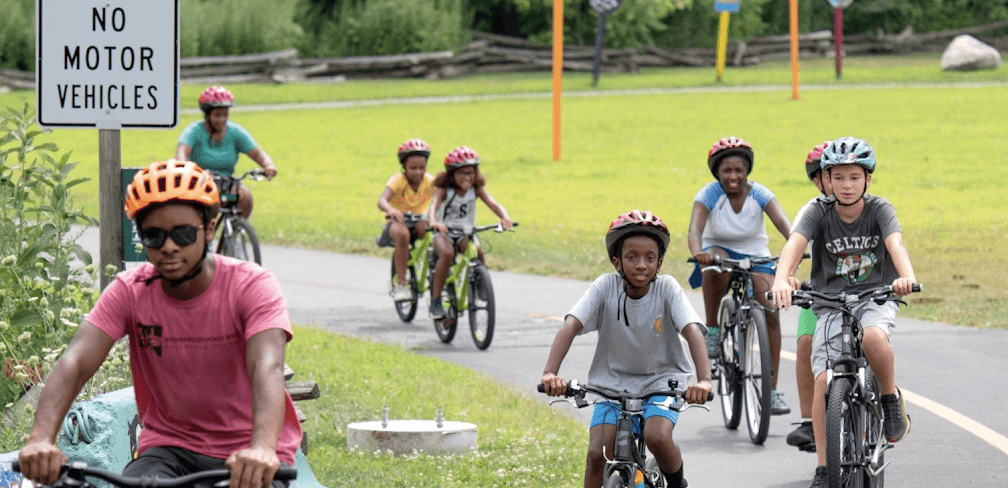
x,y
857,244
639,317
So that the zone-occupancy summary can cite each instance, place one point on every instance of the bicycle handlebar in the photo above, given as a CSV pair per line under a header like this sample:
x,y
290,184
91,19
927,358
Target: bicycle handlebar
x,y
76,471
498,227
804,298
577,390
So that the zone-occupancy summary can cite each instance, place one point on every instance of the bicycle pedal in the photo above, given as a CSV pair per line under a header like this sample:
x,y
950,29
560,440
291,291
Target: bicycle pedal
x,y
810,447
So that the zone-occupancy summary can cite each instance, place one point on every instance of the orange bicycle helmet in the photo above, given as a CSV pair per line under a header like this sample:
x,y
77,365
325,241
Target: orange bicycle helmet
x,y
411,147
172,180
459,157
636,222
814,158
728,146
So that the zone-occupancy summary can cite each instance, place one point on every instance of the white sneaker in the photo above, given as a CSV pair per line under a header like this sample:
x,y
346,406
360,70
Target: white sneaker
x,y
401,293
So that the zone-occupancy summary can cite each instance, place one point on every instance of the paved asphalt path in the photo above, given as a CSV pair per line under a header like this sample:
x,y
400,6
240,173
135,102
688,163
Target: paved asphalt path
x,y
955,375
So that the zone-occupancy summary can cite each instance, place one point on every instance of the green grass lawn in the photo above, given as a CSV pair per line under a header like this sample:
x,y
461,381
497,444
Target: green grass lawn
x,y
941,158
521,442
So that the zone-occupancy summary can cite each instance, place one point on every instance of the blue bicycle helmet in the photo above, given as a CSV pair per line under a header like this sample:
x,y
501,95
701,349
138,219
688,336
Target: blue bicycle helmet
x,y
848,150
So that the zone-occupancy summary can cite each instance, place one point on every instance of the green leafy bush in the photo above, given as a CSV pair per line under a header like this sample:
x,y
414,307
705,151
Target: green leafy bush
x,y
372,27
47,280
17,35
222,27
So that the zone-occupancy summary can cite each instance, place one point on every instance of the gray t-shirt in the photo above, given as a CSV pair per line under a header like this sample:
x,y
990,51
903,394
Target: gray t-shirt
x,y
849,257
643,356
458,210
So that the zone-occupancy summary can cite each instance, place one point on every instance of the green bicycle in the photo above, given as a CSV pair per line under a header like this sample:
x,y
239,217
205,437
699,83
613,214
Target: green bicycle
x,y
417,268
468,287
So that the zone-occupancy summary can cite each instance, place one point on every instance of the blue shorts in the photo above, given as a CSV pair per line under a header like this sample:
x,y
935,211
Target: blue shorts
x,y
696,279
608,413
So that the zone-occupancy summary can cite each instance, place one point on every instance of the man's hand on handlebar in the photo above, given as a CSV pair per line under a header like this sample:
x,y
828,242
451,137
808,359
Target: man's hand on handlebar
x,y
507,223
41,461
704,258
395,215
782,291
252,467
698,392
903,286
554,385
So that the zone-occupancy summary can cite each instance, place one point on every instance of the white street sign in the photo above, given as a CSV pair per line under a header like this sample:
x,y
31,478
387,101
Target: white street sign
x,y
107,63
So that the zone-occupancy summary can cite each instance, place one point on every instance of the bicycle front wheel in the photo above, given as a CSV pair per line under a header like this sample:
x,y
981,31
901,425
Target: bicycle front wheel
x,y
727,367
873,425
482,309
238,240
445,327
407,309
843,437
756,375
615,481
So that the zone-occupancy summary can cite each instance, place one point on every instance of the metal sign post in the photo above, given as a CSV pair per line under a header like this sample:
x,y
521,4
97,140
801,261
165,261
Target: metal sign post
x,y
107,66
838,6
603,8
725,8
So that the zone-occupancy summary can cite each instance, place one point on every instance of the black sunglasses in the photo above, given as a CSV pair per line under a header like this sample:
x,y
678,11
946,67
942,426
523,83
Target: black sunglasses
x,y
182,235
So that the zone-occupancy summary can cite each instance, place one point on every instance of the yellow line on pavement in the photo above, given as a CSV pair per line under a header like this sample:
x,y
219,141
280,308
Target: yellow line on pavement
x,y
985,433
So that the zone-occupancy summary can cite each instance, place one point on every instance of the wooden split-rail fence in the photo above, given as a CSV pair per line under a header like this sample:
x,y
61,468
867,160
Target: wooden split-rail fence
x,y
491,53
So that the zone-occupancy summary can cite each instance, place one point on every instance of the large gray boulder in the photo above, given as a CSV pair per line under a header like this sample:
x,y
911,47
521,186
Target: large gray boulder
x,y
967,53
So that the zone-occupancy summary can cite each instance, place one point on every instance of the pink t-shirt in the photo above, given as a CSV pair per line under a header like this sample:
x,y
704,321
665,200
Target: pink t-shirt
x,y
188,357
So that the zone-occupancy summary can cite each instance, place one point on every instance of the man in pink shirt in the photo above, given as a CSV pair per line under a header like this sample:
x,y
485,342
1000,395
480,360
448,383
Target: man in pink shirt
x,y
206,336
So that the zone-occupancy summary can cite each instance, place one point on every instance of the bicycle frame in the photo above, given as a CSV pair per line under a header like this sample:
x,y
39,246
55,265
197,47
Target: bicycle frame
x,y
629,450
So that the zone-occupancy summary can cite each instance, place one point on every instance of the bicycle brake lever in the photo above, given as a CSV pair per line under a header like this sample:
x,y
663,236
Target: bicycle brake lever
x,y
564,400
697,405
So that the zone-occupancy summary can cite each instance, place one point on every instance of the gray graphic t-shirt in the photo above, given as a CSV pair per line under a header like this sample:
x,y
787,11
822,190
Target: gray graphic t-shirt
x,y
851,257
458,211
646,354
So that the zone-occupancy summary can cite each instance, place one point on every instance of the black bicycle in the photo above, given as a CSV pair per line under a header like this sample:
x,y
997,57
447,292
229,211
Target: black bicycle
x,y
236,237
75,474
630,452
743,370
855,442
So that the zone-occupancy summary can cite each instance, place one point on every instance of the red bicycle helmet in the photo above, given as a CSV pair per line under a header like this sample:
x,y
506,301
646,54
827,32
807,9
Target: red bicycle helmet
x,y
728,146
636,222
215,96
411,147
459,157
814,158
172,180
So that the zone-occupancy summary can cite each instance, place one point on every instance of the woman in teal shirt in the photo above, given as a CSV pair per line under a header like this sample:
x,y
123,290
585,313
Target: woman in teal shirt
x,y
215,142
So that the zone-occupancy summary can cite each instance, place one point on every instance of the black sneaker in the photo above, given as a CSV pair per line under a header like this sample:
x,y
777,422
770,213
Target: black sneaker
x,y
895,421
436,310
820,480
802,436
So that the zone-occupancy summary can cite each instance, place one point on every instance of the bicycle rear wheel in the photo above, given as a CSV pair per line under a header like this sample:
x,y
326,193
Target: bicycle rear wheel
x,y
756,375
482,309
407,309
446,326
843,437
238,240
727,367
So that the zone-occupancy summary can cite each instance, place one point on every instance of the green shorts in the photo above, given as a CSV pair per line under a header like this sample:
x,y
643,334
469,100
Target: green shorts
x,y
806,322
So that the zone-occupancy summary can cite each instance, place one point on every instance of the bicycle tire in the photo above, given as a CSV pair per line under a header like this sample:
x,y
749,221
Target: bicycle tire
x,y
447,326
653,472
615,481
407,309
842,437
727,366
482,307
874,428
241,243
757,375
